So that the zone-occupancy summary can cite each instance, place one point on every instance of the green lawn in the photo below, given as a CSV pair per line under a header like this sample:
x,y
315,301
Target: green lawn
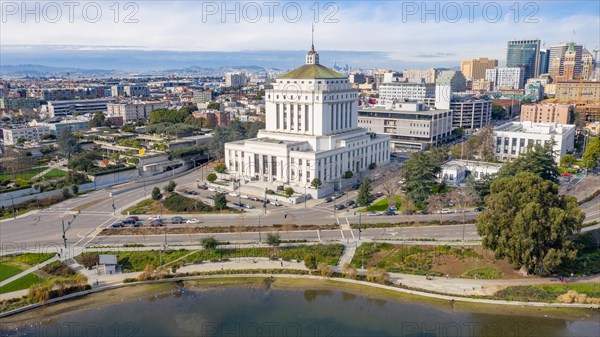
x,y
7,271
23,283
24,174
54,173
382,205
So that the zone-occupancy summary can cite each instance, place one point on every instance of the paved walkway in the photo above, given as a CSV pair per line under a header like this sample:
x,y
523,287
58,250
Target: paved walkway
x,y
28,271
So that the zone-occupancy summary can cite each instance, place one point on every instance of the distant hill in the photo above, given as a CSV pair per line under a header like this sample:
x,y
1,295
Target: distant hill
x,y
36,70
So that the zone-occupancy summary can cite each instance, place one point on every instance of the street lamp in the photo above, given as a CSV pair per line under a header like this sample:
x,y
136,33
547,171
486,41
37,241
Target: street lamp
x,y
64,230
13,207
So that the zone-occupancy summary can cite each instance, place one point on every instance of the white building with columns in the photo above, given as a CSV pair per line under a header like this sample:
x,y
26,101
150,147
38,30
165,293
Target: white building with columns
x,y
311,132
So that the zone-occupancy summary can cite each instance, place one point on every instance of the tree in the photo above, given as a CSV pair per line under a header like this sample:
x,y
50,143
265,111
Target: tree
x,y
438,155
436,202
21,140
273,240
216,147
170,187
538,160
364,193
464,198
420,175
220,201
591,154
390,187
498,112
49,136
316,183
310,261
482,185
568,161
66,193
220,168
98,119
210,243
348,174
68,144
75,189
213,106
528,222
289,192
211,177
485,144
156,194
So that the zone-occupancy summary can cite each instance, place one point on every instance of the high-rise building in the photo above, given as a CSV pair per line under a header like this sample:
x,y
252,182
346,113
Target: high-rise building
x,y
558,54
587,65
235,80
475,69
544,61
526,54
505,77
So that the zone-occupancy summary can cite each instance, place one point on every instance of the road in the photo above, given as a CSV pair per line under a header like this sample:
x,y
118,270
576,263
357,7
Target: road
x,y
42,231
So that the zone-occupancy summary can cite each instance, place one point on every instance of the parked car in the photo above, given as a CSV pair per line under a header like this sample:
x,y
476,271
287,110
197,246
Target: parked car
x,y
479,209
339,207
373,213
128,221
176,219
451,203
203,187
256,199
248,206
243,196
156,223
193,221
350,203
233,194
393,208
378,194
424,212
328,199
212,189
137,224
155,217
191,192
275,203
117,225
134,217
446,211
355,186
389,212
238,204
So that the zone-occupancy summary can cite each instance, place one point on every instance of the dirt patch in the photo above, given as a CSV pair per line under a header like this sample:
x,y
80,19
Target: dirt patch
x,y
454,266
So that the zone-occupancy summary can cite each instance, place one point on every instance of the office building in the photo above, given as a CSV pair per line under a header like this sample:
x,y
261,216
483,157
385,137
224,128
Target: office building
x,y
235,80
428,75
587,65
512,139
525,54
565,54
406,91
574,91
311,132
506,78
475,69
78,107
36,133
544,61
133,111
455,172
57,127
202,96
16,103
548,112
410,126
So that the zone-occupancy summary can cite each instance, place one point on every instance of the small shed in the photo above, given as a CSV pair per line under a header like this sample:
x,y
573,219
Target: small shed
x,y
108,263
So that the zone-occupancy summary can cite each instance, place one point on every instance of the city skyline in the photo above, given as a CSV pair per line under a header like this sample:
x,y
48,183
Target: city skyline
x,y
384,34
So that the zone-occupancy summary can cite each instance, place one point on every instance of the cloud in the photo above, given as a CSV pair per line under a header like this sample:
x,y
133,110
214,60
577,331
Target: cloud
x,y
387,27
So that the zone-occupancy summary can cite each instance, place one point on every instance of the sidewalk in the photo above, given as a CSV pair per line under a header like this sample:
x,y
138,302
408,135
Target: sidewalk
x,y
28,271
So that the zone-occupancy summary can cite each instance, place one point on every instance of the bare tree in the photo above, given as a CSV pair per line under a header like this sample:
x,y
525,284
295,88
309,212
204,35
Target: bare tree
x,y
464,197
485,143
390,186
436,202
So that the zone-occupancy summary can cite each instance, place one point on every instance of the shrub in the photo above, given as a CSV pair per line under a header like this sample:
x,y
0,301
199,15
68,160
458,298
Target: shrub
x,y
377,275
65,193
179,203
212,177
289,192
270,191
88,259
310,261
156,194
349,271
75,189
325,269
170,187
58,268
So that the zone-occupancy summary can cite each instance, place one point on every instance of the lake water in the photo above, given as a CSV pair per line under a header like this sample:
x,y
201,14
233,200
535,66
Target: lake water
x,y
272,312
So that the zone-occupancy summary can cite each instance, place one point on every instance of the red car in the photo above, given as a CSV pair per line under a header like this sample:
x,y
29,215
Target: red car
x,y
134,217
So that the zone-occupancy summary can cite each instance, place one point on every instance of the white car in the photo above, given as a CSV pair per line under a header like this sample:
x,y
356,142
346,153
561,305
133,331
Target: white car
x,y
374,214
233,194
193,221
243,196
446,211
275,203
153,218
212,189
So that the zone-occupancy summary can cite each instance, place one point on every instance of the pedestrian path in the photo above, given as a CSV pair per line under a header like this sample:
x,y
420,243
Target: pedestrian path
x,y
349,250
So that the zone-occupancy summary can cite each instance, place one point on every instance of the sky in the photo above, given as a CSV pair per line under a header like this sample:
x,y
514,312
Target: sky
x,y
393,34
